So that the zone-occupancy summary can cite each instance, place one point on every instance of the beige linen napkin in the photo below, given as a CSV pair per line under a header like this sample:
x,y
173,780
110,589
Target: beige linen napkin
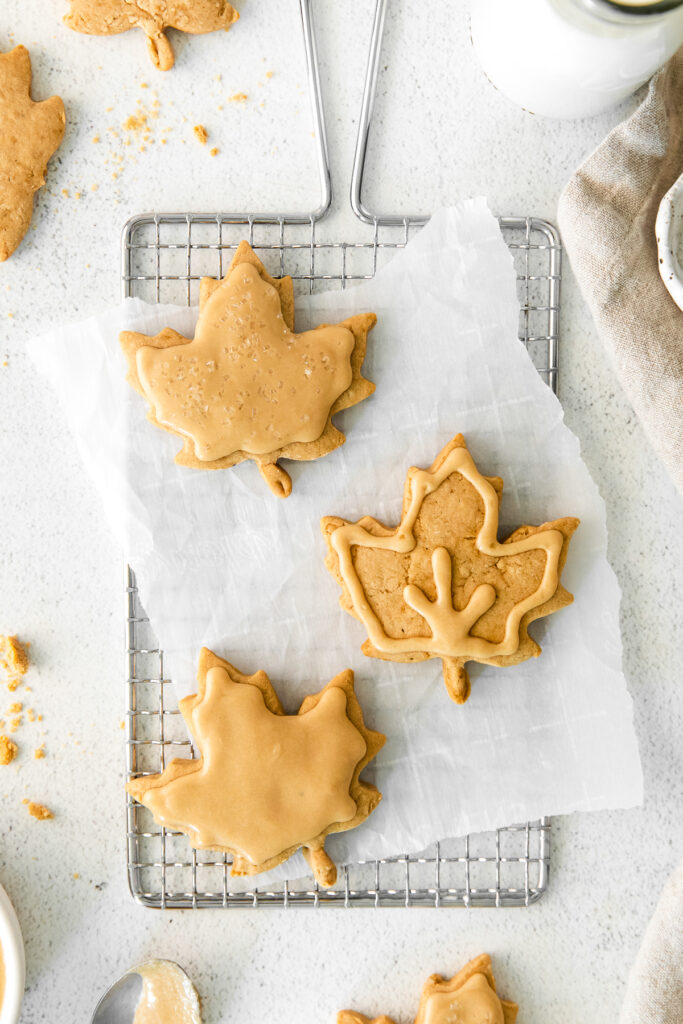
x,y
654,994
607,214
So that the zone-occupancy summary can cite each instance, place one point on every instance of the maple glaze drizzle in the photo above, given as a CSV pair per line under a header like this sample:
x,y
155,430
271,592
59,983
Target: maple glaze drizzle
x,y
265,782
246,382
450,628
474,1002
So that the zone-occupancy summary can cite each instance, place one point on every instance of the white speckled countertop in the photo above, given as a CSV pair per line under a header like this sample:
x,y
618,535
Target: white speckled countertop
x,y
442,132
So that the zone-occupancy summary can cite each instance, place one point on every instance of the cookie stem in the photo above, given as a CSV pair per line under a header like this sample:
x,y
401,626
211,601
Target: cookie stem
x,y
279,482
323,867
161,51
456,679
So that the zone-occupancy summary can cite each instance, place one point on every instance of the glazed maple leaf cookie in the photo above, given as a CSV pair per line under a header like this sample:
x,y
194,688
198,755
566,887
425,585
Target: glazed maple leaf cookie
x,y
110,17
247,386
470,997
266,783
29,134
440,585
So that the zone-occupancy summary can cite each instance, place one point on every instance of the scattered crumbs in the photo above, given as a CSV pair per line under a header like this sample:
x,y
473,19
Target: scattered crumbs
x,y
94,188
77,195
201,133
76,875
220,106
8,750
39,752
14,724
40,718
96,138
15,708
122,724
238,97
269,74
143,148
144,85
114,175
38,811
136,122
109,110
217,78
5,363
65,192
163,142
215,151
11,316
31,715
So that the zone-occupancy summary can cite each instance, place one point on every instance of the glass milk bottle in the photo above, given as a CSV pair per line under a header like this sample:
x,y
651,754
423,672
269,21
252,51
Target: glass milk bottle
x,y
573,58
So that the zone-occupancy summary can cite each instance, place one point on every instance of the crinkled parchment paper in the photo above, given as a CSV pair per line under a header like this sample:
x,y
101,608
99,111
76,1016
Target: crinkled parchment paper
x,y
221,562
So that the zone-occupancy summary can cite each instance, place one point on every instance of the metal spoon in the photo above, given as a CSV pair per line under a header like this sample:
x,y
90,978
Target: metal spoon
x,y
119,1003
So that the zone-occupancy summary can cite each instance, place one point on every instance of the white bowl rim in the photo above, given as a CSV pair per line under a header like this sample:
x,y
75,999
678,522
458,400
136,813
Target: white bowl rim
x,y
668,228
13,956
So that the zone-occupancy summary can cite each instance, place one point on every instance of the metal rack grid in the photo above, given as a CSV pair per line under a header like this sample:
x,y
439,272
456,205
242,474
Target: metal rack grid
x,y
165,258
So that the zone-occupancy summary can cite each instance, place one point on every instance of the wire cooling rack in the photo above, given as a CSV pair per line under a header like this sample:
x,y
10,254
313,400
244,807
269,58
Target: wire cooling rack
x,y
164,257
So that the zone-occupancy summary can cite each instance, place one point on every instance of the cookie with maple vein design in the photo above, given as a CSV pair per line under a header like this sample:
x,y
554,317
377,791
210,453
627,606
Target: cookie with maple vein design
x,y
440,585
266,783
110,17
29,134
469,997
247,386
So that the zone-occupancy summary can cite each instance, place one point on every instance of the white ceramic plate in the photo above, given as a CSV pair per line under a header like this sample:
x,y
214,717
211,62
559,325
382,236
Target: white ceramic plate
x,y
669,232
13,956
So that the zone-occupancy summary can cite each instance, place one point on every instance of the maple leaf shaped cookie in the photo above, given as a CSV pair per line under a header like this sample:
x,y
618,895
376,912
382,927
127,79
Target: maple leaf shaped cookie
x,y
470,997
266,783
110,17
440,585
29,134
247,386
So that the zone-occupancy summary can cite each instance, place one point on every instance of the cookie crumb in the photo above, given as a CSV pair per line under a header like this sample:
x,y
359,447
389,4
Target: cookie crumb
x,y
76,874
39,811
15,708
269,74
238,97
201,133
8,750
39,752
96,138
13,656
215,151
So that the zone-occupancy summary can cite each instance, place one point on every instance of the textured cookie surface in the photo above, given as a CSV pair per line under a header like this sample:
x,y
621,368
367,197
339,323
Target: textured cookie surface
x,y
440,585
110,17
469,997
247,386
29,135
266,783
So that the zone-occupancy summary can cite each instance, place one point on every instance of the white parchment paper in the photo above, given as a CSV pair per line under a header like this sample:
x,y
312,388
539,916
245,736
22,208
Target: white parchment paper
x,y
221,562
